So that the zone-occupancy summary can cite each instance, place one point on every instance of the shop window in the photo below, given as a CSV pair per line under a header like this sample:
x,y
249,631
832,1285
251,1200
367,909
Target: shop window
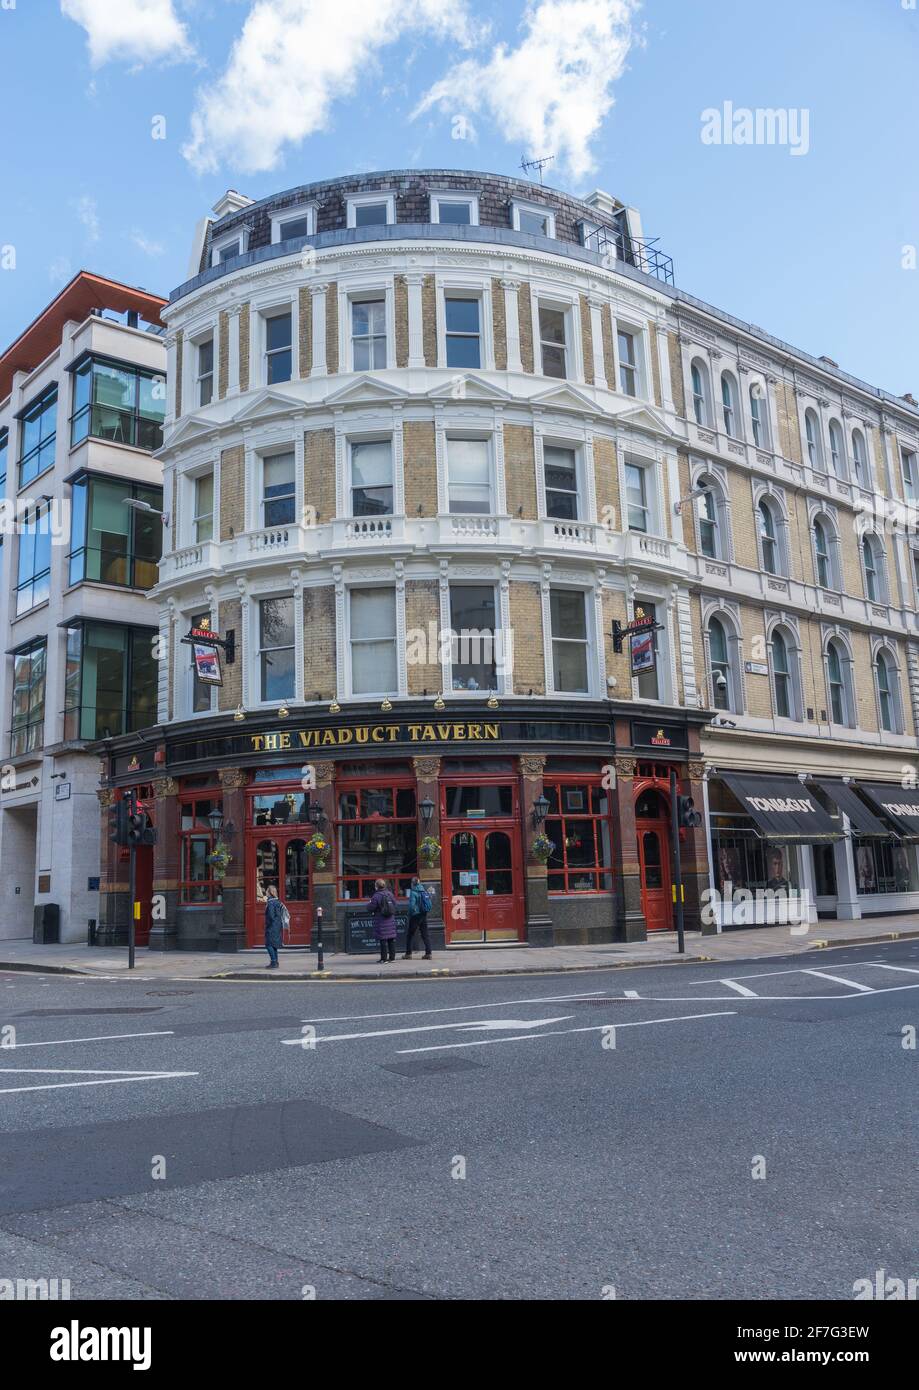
x,y
742,860
578,824
882,866
280,808
196,842
377,838
478,802
824,871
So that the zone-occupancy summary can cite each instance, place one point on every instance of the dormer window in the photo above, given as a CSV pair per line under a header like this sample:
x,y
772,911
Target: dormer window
x,y
229,246
296,221
533,218
460,209
372,210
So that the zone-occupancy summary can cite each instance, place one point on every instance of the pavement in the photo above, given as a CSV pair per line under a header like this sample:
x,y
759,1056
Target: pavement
x,y
693,1131
301,964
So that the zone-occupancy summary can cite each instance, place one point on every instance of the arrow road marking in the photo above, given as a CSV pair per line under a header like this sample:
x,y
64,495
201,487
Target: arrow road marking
x,y
430,1028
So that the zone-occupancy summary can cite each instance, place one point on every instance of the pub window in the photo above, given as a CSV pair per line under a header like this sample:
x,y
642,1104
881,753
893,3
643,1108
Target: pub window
x,y
280,808
276,648
196,842
472,626
377,838
373,642
578,824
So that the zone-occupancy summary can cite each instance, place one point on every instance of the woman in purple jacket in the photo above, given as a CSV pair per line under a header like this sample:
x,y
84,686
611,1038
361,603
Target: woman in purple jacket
x,y
383,907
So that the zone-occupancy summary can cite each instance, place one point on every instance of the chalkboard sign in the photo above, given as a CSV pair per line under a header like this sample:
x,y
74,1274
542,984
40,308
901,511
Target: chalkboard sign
x,y
359,935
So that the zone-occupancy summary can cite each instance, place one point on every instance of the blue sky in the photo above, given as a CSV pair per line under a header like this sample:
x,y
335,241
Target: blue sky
x,y
264,94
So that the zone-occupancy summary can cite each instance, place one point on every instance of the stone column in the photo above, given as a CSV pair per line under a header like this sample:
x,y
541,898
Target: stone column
x,y
512,324
167,869
427,771
233,355
848,906
231,934
324,885
538,920
596,334
319,367
629,922
415,320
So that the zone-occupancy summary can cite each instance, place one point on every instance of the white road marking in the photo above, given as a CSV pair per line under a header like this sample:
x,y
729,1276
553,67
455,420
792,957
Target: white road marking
x,y
840,980
426,1028
112,1078
906,969
631,993
558,1032
457,1008
103,1037
741,989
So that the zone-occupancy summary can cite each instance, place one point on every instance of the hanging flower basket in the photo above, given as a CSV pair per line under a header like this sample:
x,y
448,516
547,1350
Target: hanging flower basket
x,y
219,860
318,846
543,848
429,849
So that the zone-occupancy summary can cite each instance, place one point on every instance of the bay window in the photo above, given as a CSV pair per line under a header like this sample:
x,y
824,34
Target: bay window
x,y
110,680
119,403
110,542
29,668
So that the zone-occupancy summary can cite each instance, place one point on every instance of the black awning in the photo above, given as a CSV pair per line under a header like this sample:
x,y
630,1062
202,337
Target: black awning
x,y
864,822
781,808
902,807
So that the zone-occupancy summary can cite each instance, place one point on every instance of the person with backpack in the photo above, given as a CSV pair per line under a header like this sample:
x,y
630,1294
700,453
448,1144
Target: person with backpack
x,y
419,905
383,907
275,912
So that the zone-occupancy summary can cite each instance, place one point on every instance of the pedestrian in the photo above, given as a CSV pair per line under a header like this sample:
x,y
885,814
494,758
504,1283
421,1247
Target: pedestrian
x,y
274,925
383,907
419,905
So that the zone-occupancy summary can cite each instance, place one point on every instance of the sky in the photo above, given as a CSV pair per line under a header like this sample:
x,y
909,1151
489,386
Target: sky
x,y
125,120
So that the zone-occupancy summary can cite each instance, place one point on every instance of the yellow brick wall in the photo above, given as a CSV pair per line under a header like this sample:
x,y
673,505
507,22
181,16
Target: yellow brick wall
x,y
526,626
400,300
853,577
863,675
232,492
606,476
875,444
319,472
244,336
223,362
787,411
617,663
305,326
525,316
754,648
609,359
420,468
698,650
331,328
319,643
422,607
687,515
520,470
499,324
655,366
429,321
676,374
587,341
229,615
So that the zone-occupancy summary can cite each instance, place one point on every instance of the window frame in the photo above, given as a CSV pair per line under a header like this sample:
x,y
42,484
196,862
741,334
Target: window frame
x,y
730,413
267,315
387,782
130,719
438,196
579,493
563,307
471,436
32,722
350,641
456,637
789,675
587,642
39,572
279,451
603,876
356,200
700,398
272,701
133,489
293,214
220,243
201,377
909,469
525,205
450,293
137,419
378,294
353,441
813,440
213,885
47,400
835,651
883,659
635,366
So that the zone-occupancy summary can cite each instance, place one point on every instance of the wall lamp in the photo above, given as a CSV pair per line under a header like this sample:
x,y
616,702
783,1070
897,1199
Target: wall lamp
x,y
540,808
426,810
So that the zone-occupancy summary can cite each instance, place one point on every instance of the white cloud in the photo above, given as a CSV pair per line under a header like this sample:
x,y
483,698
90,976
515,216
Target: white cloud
x,y
552,92
88,213
293,59
140,31
149,248
60,271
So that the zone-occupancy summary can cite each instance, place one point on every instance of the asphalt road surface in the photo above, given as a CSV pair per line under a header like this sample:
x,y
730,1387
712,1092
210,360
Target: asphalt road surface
x,y
675,1132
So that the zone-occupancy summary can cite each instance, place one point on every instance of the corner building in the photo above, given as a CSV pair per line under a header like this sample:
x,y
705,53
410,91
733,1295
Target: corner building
x,y
413,404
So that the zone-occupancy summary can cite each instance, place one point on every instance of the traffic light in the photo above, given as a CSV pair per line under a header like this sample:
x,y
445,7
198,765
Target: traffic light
x,y
140,829
687,815
118,823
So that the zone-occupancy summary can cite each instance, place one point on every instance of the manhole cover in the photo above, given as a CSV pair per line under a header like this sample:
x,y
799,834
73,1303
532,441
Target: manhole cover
x,y
82,1013
432,1066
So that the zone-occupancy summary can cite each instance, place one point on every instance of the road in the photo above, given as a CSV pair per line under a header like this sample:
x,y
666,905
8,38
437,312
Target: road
x,y
670,1132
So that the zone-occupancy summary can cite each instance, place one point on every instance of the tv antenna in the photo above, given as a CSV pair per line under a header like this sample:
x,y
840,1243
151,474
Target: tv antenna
x,y
538,164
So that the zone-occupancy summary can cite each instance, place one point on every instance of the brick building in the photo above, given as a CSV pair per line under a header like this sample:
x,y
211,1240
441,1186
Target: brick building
x,y
429,438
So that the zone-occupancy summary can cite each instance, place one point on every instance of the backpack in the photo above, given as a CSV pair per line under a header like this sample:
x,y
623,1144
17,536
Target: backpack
x,y
424,898
387,904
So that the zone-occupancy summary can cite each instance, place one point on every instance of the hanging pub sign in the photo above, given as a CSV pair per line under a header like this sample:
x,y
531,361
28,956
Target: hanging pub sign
x,y
642,645
205,644
207,664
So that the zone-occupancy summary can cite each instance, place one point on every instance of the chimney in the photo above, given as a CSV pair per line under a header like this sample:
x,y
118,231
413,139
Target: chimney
x,y
230,202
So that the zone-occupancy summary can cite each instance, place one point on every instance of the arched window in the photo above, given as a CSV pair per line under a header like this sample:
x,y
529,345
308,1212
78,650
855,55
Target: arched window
x,y
721,667
814,445
837,679
711,514
782,679
770,551
885,675
859,458
700,394
758,415
825,553
837,450
873,560
729,403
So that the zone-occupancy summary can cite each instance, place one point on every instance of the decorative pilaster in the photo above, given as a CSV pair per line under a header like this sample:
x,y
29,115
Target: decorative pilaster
x,y
512,324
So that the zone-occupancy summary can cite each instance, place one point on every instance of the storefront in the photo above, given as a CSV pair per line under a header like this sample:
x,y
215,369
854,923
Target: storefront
x,y
524,829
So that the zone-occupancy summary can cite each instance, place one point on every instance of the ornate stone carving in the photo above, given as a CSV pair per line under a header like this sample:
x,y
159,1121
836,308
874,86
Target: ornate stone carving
x,y
532,765
233,778
426,769
106,797
696,771
324,774
625,767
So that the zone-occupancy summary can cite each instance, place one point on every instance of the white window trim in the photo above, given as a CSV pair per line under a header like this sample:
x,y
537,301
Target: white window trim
x,y
519,205
445,196
199,376
590,622
577,447
706,422
307,210
665,652
272,450
822,464
488,438
363,199
354,295
195,335
866,482
653,493
254,606
466,289
913,456
847,672
831,532
186,482
240,236
369,436
639,333
261,313
796,690
498,687
895,689
401,679
734,645
569,306
765,413
186,660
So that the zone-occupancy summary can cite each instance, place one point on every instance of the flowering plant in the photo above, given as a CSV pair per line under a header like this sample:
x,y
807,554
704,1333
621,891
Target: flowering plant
x,y
219,859
542,848
318,846
429,849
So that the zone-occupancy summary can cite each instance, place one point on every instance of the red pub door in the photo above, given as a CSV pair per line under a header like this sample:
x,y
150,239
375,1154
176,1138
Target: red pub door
x,y
280,857
652,825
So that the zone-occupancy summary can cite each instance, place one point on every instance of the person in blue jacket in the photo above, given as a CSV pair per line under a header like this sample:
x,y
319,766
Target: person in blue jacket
x,y
419,905
274,918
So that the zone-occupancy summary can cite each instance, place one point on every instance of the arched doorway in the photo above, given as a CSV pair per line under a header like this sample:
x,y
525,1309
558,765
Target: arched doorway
x,y
652,828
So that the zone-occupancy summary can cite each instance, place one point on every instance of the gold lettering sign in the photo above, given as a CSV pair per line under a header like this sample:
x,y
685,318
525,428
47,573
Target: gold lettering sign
x,y
374,733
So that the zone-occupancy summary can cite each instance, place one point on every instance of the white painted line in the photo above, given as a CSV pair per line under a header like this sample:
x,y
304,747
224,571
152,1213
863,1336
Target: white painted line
x,y
429,1028
840,980
905,969
112,1080
558,1032
457,1008
768,974
766,998
104,1037
741,989
631,993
